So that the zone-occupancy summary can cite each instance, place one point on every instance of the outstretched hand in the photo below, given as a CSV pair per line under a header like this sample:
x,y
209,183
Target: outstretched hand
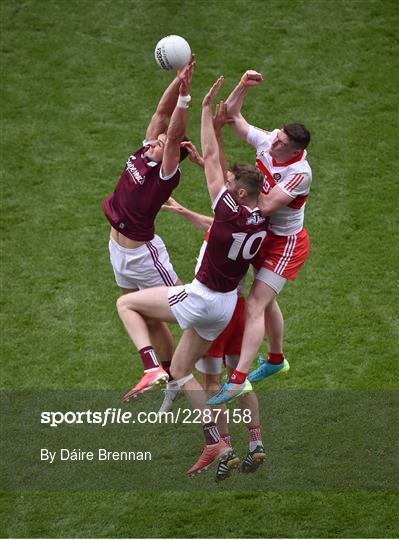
x,y
193,154
221,118
180,72
210,96
252,78
186,76
173,206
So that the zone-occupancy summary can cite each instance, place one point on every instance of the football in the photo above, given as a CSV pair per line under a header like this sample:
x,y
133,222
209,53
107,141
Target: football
x,y
172,52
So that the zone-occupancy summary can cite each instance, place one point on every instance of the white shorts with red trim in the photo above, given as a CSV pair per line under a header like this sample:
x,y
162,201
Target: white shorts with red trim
x,y
143,267
196,306
283,255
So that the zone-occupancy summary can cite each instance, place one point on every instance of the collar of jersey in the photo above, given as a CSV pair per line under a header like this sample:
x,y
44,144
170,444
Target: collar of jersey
x,y
251,210
148,161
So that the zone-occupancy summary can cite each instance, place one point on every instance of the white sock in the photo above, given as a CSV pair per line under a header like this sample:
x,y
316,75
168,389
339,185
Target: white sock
x,y
181,382
254,444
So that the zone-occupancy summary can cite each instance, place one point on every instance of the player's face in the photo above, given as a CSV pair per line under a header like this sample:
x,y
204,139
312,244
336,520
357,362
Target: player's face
x,y
230,181
156,148
231,185
281,149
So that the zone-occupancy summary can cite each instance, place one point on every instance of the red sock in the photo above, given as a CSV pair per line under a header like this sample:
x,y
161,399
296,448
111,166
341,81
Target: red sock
x,y
149,358
275,358
238,377
254,433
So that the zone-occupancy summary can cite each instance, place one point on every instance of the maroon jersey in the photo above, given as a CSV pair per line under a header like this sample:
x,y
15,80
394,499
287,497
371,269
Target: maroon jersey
x,y
235,238
138,197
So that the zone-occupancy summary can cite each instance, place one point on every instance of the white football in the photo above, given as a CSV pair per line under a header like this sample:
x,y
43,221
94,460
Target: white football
x,y
172,52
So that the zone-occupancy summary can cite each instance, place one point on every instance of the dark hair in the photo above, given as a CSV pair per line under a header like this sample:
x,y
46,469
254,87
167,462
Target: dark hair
x,y
298,134
183,150
249,178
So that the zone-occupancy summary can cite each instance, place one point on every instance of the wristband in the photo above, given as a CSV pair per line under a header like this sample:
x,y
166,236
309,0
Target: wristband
x,y
183,102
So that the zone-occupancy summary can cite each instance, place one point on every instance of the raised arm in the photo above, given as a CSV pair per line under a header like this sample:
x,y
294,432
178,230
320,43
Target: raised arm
x,y
210,148
200,221
178,122
236,99
167,103
219,120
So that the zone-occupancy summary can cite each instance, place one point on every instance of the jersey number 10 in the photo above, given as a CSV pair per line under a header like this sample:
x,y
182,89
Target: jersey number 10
x,y
241,241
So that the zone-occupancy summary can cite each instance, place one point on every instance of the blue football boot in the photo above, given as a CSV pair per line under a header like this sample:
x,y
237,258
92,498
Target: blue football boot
x,y
265,369
230,391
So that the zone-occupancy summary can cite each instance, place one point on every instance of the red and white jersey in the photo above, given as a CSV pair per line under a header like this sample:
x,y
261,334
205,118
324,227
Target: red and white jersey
x,y
138,196
234,240
293,178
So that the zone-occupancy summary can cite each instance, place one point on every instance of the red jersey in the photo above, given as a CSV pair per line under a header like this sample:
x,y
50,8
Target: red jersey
x,y
138,197
235,238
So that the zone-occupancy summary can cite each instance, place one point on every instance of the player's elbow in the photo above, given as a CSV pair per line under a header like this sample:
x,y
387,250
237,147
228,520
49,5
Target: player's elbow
x,y
265,211
160,118
265,205
268,210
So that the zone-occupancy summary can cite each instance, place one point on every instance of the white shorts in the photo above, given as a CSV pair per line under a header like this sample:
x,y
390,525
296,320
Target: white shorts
x,y
143,267
213,366
196,306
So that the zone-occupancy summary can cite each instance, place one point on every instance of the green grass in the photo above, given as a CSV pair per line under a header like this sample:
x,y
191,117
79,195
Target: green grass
x,y
110,514
78,86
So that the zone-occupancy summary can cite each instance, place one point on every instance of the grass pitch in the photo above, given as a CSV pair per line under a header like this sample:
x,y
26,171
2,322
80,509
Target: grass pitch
x,y
79,84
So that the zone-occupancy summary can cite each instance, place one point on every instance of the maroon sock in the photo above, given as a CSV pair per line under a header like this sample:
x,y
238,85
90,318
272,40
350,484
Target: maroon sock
x,y
275,358
166,367
238,377
149,358
211,432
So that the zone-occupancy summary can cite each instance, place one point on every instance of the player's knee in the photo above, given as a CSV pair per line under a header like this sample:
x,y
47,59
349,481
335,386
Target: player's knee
x,y
121,304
